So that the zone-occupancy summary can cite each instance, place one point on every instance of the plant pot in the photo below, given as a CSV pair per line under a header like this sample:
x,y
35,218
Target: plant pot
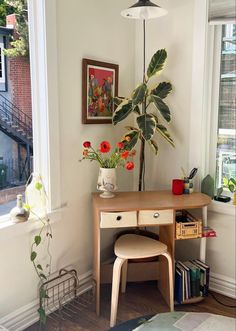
x,y
107,182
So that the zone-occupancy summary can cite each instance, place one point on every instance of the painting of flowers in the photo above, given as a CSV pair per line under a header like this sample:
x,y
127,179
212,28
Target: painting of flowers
x,y
100,86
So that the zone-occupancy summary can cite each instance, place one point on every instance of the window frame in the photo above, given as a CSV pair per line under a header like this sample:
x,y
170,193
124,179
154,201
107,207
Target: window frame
x,y
45,105
2,59
202,121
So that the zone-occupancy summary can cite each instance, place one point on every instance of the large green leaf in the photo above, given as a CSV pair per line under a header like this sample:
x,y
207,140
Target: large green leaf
x,y
153,146
161,106
162,90
157,62
139,94
122,111
147,125
130,139
163,131
117,101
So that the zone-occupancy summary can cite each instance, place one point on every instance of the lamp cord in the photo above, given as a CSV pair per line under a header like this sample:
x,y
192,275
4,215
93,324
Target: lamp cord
x,y
144,49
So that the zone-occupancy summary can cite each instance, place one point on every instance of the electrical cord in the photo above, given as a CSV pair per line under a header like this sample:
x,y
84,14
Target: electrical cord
x,y
221,303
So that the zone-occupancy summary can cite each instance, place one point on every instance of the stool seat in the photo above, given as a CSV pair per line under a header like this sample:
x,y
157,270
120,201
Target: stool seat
x,y
133,246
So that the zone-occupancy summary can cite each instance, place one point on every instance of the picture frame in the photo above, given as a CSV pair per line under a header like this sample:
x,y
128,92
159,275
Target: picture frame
x,y
99,86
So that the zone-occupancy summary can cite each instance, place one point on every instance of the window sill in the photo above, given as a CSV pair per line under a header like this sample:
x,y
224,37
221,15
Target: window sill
x,y
222,208
9,230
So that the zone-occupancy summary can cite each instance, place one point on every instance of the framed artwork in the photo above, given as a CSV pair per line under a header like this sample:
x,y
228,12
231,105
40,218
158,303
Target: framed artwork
x,y
99,86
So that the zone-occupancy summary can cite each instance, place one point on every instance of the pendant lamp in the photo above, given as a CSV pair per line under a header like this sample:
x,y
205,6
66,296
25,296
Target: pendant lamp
x,y
144,10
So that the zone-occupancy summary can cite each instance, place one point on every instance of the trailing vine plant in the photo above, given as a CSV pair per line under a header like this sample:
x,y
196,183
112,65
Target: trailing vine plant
x,y
147,103
43,237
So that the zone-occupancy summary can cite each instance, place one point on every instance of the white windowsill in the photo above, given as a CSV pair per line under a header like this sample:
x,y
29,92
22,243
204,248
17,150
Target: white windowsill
x,y
9,230
222,208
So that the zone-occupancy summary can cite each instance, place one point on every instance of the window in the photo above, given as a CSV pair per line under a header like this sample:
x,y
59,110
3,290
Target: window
x,y
226,131
16,140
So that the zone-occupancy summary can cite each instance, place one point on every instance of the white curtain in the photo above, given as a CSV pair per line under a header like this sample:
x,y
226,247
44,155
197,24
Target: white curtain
x,y
222,11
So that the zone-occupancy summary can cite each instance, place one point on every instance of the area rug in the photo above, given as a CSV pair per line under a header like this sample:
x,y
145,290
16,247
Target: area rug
x,y
179,321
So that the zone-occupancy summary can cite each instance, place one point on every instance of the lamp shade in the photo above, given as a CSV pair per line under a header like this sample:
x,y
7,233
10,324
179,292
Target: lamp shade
x,y
144,10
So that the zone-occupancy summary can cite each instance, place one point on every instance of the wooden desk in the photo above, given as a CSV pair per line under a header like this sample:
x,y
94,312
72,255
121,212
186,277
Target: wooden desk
x,y
140,209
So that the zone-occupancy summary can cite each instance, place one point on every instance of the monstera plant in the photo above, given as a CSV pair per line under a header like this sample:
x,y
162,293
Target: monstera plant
x,y
147,103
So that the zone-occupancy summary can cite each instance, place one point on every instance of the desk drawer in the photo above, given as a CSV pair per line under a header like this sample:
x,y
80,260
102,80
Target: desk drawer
x,y
152,217
118,219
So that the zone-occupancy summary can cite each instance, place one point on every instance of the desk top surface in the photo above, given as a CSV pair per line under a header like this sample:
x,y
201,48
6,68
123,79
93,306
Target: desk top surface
x,y
124,201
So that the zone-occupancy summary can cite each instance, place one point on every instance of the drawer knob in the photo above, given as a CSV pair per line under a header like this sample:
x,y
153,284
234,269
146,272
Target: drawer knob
x,y
118,218
156,215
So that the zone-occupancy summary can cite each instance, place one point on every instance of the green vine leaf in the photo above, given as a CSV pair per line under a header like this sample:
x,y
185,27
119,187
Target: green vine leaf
x,y
139,94
37,240
157,62
147,125
153,146
162,107
39,267
26,206
38,186
41,275
122,111
33,256
162,90
42,315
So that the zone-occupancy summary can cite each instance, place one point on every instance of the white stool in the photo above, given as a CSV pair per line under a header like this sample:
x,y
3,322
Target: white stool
x,y
132,246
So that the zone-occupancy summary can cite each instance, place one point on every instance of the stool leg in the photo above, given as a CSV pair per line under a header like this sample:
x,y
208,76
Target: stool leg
x,y
115,289
171,290
124,276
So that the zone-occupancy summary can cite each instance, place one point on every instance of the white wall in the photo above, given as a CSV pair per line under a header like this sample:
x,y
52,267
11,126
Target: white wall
x,y
93,30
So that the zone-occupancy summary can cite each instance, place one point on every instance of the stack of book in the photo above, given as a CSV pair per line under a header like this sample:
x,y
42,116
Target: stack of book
x,y
191,280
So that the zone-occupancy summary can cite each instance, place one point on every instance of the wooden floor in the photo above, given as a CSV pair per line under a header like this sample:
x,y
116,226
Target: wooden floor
x,y
140,299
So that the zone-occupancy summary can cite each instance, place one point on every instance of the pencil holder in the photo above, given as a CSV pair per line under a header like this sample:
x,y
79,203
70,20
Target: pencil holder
x,y
177,186
188,186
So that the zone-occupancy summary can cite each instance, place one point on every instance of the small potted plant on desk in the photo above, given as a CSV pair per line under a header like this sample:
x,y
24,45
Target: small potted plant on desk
x,y
231,185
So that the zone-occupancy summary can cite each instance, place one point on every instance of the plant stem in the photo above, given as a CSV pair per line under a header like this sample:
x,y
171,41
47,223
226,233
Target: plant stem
x,y
141,168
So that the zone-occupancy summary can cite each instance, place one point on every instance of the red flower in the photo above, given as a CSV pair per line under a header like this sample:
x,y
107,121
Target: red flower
x,y
87,144
105,147
120,145
129,166
124,155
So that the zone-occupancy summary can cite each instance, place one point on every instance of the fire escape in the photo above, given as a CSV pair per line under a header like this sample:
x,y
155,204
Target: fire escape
x,y
18,126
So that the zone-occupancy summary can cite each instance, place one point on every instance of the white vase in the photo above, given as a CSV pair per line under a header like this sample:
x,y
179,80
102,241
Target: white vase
x,y
107,182
19,213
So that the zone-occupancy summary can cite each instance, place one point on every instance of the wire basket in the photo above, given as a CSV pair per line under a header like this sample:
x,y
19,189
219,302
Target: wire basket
x,y
66,296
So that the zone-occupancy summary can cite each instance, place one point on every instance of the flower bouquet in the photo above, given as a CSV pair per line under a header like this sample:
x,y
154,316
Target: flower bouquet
x,y
108,160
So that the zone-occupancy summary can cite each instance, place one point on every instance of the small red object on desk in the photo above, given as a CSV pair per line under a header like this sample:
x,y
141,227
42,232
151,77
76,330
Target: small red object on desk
x,y
177,186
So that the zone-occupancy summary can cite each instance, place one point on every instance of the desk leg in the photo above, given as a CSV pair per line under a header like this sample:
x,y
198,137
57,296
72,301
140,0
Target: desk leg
x,y
166,236
203,240
96,258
